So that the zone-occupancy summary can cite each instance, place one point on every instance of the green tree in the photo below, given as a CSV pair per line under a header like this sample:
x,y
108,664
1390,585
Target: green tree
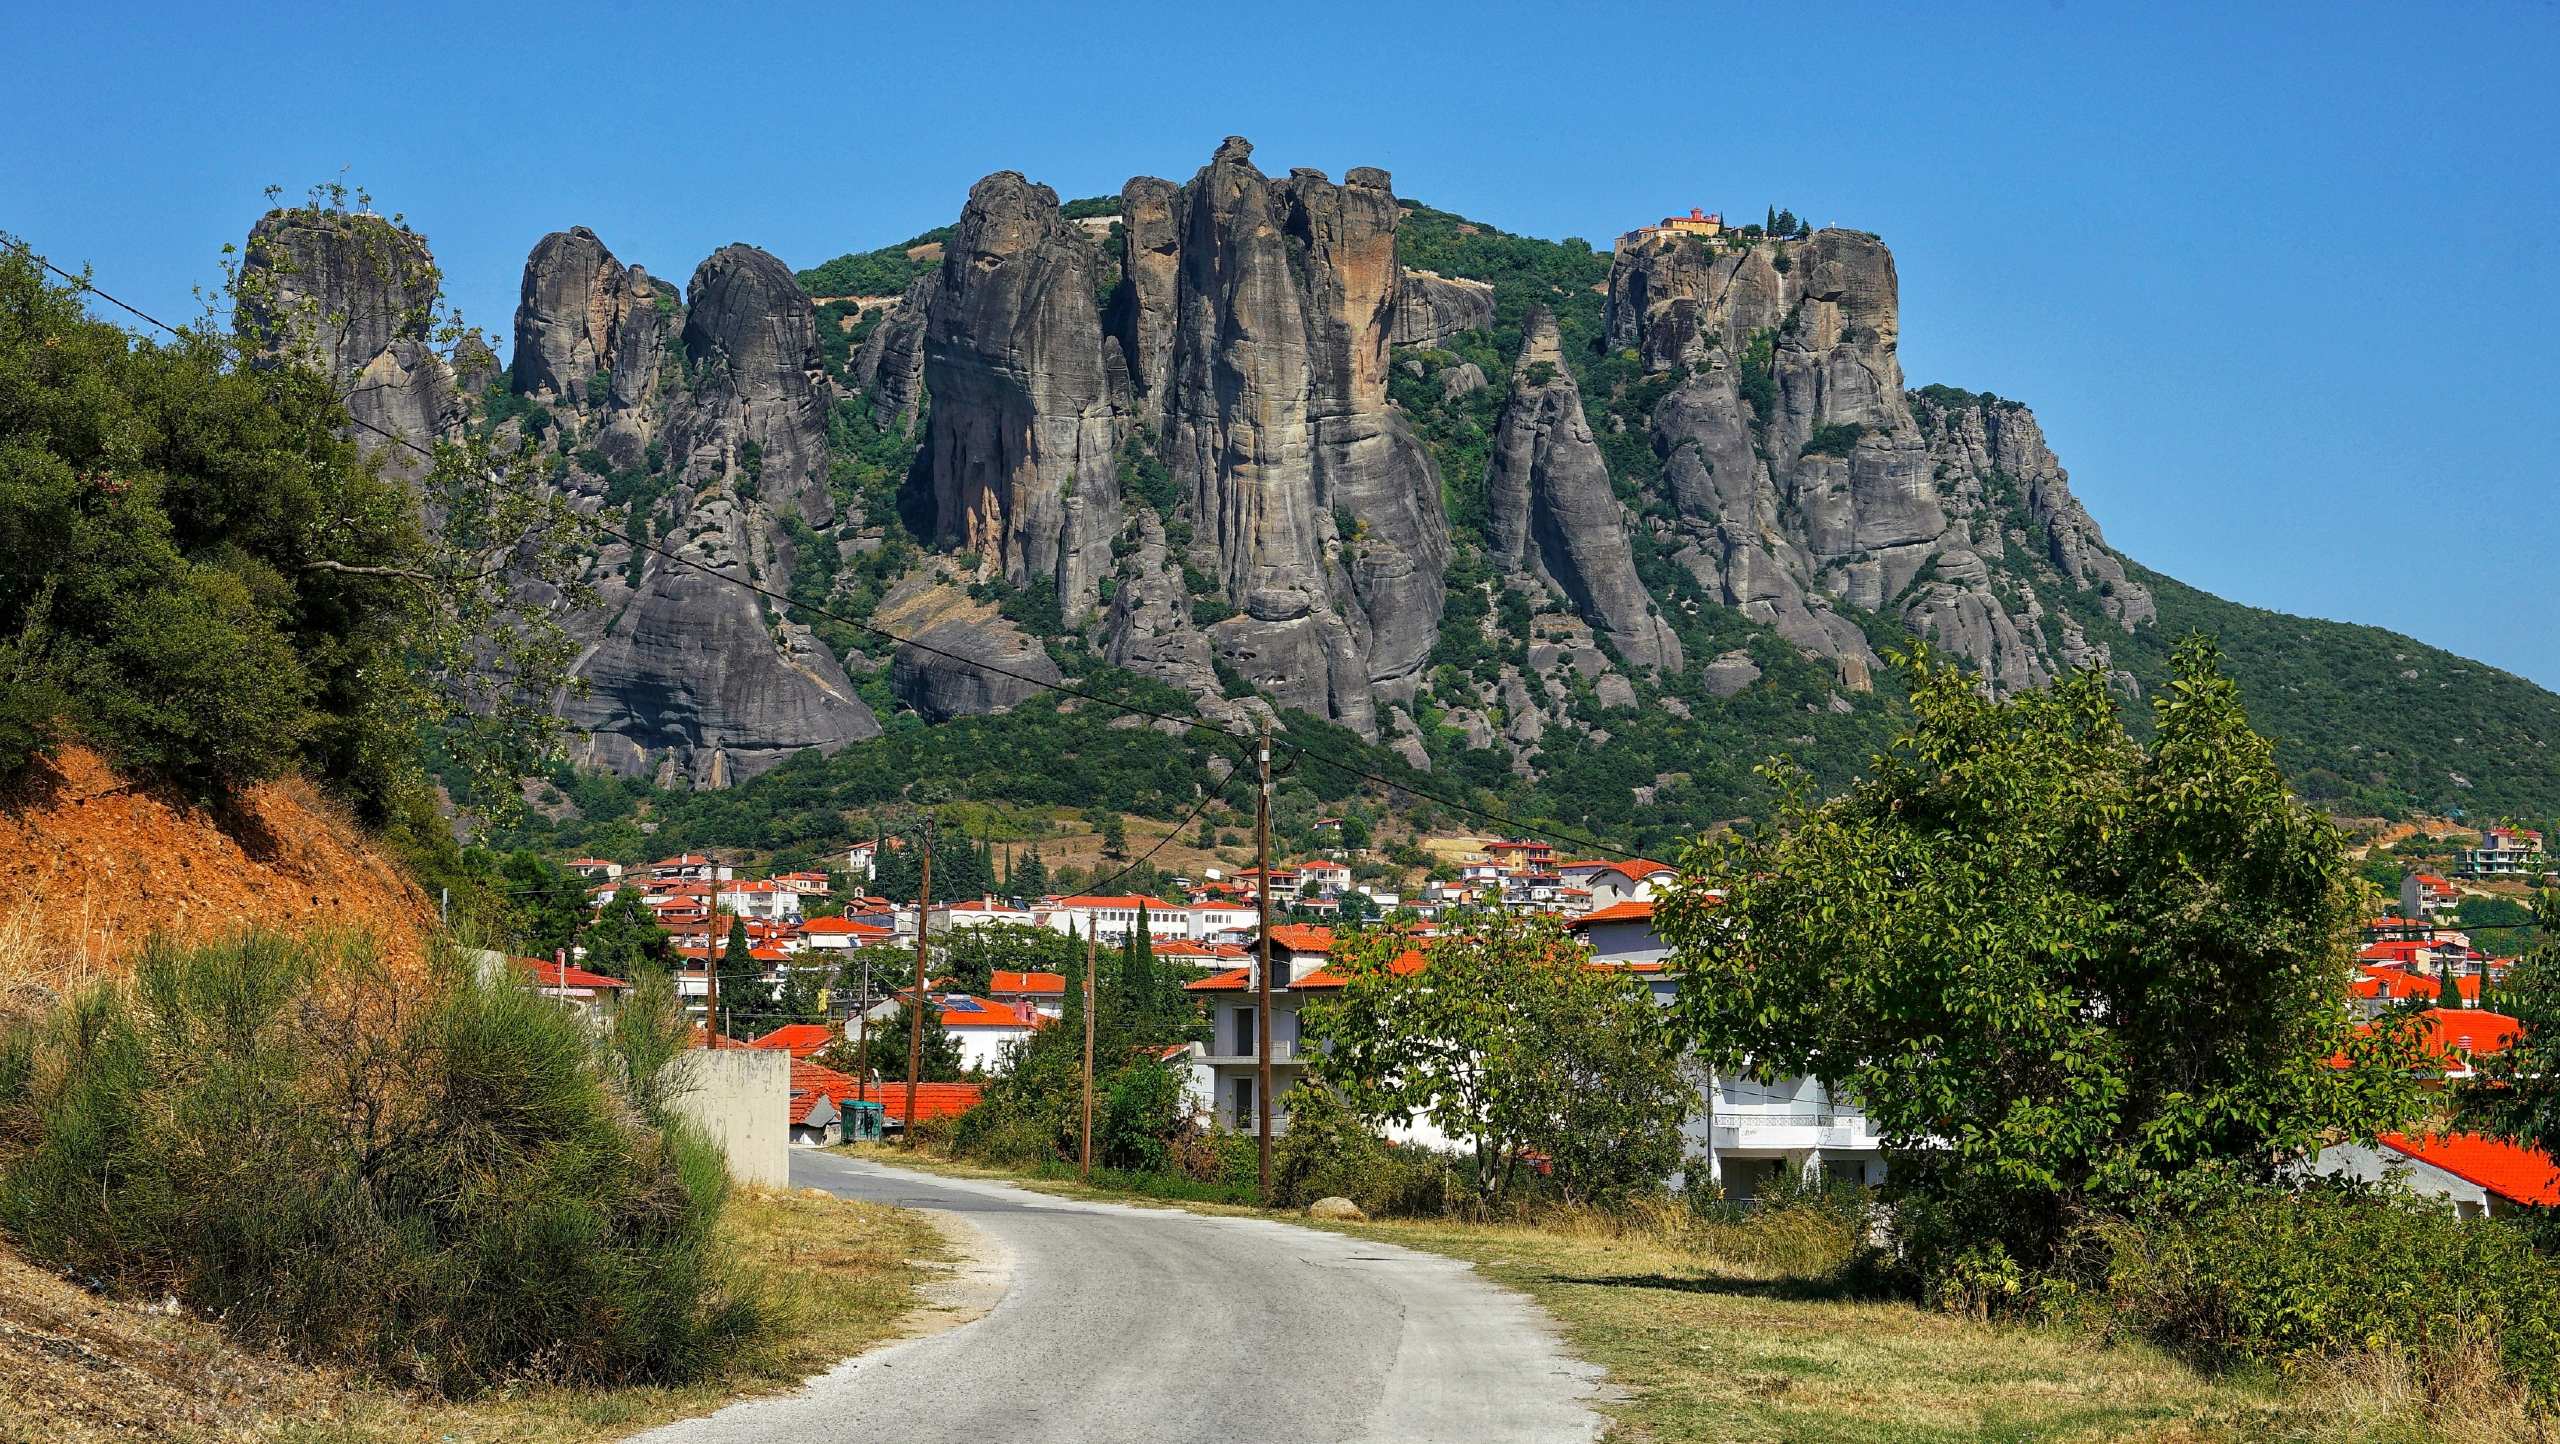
x,y
745,1001
625,940
1508,1039
2517,1092
941,1063
971,957
2060,969
213,583
2448,992
1030,876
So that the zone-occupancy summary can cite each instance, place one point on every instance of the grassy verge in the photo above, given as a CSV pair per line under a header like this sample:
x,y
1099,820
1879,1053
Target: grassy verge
x,y
75,1369
1708,1334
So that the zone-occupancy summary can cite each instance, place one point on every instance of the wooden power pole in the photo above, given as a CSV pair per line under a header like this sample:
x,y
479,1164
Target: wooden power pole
x,y
862,1043
1262,974
711,958
1092,950
915,1009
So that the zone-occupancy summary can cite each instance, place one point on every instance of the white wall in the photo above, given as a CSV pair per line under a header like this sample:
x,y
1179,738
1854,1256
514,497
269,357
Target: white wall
x,y
741,1099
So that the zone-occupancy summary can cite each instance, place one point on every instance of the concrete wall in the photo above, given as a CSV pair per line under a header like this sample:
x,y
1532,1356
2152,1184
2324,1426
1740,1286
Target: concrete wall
x,y
741,1099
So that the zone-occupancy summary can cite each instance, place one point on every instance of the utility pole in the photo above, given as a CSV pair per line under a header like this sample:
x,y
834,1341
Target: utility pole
x,y
862,1027
1262,974
915,1009
711,959
1084,1164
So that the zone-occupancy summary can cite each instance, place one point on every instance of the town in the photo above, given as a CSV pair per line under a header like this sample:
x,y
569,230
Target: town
x,y
808,937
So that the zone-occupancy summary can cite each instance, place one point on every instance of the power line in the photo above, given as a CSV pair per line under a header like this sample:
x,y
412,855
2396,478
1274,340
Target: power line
x,y
605,529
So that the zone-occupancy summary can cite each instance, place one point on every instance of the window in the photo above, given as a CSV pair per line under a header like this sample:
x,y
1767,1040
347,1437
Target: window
x,y
1243,1035
1243,1105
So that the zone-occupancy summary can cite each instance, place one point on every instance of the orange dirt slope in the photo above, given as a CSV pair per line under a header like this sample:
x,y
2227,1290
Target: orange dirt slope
x,y
92,865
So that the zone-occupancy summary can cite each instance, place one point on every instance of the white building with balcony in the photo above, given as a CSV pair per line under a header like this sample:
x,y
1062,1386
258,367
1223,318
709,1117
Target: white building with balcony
x,y
1750,1133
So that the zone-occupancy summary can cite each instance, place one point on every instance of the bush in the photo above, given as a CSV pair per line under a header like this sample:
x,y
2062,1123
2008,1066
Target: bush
x,y
2275,1278
1327,1153
439,1185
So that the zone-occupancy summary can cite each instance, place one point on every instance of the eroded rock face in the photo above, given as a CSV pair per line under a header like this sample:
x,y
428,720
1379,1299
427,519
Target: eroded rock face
x,y
1431,308
750,336
960,659
1024,430
354,296
1550,508
1801,474
1269,320
688,678
890,364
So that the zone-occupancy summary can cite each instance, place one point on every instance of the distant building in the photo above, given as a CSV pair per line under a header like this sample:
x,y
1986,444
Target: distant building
x,y
2425,895
1702,224
2503,852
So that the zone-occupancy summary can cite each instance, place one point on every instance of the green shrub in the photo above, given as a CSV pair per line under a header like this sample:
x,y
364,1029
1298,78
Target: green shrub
x,y
1328,1153
437,1184
2276,1278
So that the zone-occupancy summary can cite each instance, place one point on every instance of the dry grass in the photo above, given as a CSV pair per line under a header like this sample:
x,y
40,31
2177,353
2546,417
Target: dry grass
x,y
75,1368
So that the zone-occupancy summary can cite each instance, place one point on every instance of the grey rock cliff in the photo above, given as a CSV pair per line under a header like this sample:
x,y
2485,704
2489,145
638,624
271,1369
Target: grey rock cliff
x,y
686,677
1024,432
890,364
960,659
1269,321
756,408
1804,480
1431,308
1550,507
353,296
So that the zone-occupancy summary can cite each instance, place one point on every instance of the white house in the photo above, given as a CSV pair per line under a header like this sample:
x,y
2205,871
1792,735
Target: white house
x,y
2479,1176
828,935
862,860
1750,1132
1324,875
595,869
1220,921
980,912
1616,881
1112,918
763,901
983,1028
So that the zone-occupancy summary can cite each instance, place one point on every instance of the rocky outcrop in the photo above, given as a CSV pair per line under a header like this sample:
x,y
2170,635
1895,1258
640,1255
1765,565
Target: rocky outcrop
x,y
890,363
1803,479
1024,431
688,684
1268,320
354,297
751,346
1431,308
1551,510
960,658
686,677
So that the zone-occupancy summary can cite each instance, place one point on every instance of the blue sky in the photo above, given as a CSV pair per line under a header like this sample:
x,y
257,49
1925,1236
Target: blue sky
x,y
2282,284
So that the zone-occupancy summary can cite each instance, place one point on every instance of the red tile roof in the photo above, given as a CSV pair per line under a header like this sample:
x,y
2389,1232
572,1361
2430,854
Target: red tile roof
x,y
1007,982
842,927
799,1039
1638,911
2392,984
1232,980
558,975
1406,965
2512,1171
933,1100
959,1010
1302,938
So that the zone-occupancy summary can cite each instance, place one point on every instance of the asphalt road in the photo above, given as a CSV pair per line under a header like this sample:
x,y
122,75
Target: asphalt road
x,y
1138,1325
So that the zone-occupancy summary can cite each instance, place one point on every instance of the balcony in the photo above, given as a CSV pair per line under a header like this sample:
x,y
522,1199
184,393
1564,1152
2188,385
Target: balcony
x,y
1791,1129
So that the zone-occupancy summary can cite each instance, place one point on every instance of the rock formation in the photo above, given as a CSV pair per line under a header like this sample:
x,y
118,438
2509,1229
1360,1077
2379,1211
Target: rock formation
x,y
354,297
1024,433
1431,308
687,677
1266,308
960,658
1550,507
1802,477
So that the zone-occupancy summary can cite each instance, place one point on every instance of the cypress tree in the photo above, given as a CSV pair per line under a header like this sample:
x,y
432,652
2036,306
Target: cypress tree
x,y
2448,993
